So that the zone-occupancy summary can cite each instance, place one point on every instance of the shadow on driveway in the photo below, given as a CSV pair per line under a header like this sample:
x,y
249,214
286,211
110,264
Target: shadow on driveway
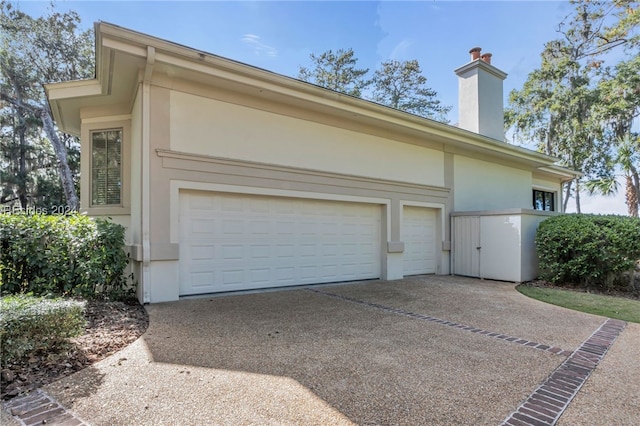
x,y
300,357
370,365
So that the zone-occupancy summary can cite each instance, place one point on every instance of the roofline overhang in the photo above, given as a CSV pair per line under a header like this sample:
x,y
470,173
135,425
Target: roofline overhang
x,y
111,38
564,173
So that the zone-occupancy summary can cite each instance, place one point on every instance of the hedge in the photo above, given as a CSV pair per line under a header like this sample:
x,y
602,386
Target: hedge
x,y
589,250
30,324
71,255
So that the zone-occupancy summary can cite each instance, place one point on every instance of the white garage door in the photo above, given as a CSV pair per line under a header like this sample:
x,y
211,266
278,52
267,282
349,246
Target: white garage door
x,y
419,236
236,242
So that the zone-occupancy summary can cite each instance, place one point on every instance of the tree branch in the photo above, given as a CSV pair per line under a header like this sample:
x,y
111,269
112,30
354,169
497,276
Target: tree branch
x,y
19,104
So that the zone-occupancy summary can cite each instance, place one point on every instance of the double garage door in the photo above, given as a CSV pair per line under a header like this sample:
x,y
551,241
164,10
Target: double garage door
x,y
232,242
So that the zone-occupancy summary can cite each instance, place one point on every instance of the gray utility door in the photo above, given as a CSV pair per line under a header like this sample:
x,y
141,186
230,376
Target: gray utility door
x,y
466,246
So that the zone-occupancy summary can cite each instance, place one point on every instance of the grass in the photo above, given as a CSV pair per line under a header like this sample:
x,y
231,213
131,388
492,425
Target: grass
x,y
607,306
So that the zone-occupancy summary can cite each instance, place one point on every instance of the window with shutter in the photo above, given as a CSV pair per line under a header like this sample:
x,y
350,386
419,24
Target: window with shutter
x,y
106,167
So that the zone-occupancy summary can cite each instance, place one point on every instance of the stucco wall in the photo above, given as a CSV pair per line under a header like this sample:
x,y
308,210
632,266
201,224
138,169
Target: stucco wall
x,y
530,223
547,184
480,185
205,126
480,103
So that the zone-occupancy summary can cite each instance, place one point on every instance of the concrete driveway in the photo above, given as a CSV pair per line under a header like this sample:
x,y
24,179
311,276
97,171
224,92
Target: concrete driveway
x,y
424,350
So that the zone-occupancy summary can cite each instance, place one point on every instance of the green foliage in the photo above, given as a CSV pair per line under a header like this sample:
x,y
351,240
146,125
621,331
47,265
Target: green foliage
x,y
336,71
396,84
62,255
401,85
576,106
589,250
38,172
32,324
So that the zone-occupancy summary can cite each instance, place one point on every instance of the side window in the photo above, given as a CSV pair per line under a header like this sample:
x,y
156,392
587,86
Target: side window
x,y
106,167
543,200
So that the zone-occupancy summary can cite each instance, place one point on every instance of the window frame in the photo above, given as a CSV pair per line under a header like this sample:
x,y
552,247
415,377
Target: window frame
x,y
89,126
546,195
92,132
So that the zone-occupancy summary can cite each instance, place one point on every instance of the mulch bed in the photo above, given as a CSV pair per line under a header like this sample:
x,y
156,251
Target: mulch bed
x,y
111,326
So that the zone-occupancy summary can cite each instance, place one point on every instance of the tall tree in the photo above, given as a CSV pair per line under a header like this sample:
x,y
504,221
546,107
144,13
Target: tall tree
x,y
557,108
401,85
619,108
34,51
336,71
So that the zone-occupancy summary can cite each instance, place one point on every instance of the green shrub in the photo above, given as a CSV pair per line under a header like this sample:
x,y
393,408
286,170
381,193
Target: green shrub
x,y
62,255
589,250
30,324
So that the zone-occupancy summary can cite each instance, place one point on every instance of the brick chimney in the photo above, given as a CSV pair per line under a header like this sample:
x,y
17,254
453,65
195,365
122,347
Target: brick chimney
x,y
480,107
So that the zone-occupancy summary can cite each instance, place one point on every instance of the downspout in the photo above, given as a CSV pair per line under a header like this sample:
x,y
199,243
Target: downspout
x,y
146,202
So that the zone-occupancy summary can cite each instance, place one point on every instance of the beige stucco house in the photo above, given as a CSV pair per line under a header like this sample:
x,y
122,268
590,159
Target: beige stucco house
x,y
230,177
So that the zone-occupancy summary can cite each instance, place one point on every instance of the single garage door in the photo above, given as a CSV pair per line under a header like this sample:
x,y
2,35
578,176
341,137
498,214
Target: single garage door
x,y
419,236
234,242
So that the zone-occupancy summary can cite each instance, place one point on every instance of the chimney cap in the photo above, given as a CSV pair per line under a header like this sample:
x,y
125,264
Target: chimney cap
x,y
487,57
475,53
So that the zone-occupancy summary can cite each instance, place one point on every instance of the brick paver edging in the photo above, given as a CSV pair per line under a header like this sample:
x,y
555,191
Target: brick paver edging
x,y
547,403
39,408
487,333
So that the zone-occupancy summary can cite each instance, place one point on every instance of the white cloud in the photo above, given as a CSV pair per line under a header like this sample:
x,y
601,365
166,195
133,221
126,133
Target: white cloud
x,y
259,48
399,50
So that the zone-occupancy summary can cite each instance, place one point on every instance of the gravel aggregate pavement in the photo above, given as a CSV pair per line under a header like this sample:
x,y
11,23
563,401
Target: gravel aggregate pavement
x,y
302,357
611,396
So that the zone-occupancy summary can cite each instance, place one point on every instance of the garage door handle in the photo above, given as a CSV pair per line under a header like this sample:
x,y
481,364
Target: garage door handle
x,y
478,248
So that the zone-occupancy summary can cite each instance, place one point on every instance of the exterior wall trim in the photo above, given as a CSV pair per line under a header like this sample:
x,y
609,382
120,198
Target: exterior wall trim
x,y
169,154
437,206
506,212
441,234
88,127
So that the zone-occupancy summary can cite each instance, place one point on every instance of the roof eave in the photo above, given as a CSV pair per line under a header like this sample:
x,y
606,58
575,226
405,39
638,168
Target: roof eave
x,y
110,38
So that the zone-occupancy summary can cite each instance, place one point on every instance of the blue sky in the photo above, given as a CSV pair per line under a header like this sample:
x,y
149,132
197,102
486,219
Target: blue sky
x,y
279,36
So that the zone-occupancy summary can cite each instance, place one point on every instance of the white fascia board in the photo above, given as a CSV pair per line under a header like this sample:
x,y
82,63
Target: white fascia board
x,y
135,50
566,174
73,89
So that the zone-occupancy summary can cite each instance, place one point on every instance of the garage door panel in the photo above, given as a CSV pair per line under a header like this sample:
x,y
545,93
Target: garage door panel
x,y
260,276
235,241
260,227
201,252
260,251
418,234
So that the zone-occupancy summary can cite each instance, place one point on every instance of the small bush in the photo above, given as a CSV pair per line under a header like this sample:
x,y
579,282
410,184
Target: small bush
x,y
62,255
589,250
30,324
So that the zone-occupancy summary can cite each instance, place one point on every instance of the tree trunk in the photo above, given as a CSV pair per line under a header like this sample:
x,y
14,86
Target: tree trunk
x,y
636,186
548,145
61,154
631,197
567,195
578,210
22,166
21,130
